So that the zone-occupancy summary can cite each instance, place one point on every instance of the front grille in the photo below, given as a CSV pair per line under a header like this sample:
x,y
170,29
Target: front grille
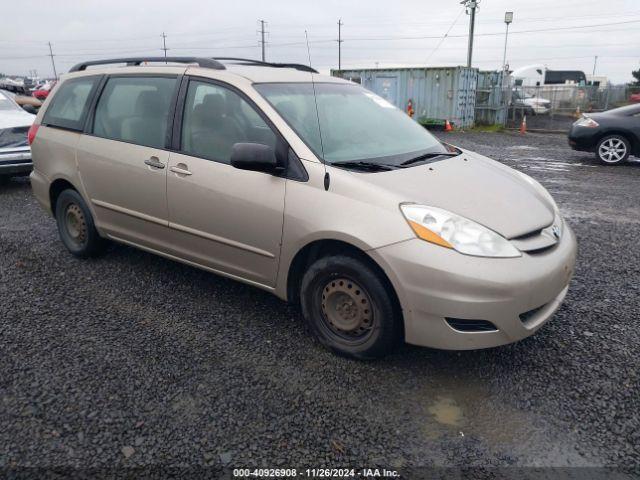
x,y
529,235
540,250
463,325
526,316
534,242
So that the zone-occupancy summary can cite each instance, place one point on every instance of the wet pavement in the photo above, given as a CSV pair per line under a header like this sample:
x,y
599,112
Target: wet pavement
x,y
134,360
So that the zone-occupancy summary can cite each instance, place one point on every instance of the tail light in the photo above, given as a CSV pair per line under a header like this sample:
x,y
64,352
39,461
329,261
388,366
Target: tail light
x,y
31,135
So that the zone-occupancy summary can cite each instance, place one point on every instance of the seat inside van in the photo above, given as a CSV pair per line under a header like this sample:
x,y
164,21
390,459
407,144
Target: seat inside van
x,y
148,123
209,131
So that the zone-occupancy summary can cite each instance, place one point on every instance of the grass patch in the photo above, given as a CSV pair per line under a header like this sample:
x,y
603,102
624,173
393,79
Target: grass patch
x,y
487,128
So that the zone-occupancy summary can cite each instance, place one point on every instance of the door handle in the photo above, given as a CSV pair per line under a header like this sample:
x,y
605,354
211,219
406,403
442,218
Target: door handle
x,y
181,169
154,162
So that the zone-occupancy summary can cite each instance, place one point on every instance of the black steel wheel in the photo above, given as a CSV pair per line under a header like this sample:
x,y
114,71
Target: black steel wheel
x,y
76,227
350,307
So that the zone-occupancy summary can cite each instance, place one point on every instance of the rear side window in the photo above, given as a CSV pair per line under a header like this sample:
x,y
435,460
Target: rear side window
x,y
70,105
135,110
215,118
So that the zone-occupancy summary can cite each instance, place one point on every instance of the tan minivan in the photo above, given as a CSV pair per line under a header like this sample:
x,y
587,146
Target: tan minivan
x,y
307,186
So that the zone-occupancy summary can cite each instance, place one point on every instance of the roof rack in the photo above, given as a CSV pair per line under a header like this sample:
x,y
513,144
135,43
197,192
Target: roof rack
x,y
258,63
202,62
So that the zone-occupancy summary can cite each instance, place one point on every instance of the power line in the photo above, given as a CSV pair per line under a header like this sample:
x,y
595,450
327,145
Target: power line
x,y
444,36
422,37
487,21
489,34
356,24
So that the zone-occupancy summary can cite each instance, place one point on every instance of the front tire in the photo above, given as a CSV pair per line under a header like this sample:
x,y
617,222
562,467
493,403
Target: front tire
x,y
76,227
350,307
613,150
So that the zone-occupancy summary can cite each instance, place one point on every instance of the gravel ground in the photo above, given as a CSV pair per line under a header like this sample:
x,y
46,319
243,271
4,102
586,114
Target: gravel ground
x,y
134,360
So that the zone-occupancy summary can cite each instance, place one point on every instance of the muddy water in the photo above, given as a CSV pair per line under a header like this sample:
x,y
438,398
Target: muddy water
x,y
466,410
446,412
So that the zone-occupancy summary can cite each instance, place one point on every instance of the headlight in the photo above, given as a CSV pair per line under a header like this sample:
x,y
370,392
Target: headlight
x,y
453,231
586,122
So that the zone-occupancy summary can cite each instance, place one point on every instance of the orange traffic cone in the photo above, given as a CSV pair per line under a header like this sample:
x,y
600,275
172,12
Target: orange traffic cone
x,y
447,126
523,125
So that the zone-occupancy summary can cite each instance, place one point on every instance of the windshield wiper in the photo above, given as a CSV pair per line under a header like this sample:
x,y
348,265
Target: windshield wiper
x,y
363,165
427,156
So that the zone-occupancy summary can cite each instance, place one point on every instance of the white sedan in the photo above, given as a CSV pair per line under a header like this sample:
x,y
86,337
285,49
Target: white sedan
x,y
15,154
536,105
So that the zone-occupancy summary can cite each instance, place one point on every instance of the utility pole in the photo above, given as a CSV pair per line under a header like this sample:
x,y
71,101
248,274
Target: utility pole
x,y
471,6
340,44
262,24
53,63
595,62
164,46
508,18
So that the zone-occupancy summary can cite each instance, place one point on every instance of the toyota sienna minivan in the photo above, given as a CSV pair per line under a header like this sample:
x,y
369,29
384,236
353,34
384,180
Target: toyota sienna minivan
x,y
307,186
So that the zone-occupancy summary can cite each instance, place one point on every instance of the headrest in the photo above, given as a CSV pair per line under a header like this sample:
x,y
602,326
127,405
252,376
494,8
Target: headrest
x,y
149,103
214,103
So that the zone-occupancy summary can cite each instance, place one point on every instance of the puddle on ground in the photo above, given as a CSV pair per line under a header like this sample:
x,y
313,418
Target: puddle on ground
x,y
458,407
446,412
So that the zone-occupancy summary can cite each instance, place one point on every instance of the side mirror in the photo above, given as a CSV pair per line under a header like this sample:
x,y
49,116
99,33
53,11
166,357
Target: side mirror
x,y
255,157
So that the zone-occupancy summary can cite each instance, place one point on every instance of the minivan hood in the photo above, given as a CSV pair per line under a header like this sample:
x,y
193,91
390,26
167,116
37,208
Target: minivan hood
x,y
475,187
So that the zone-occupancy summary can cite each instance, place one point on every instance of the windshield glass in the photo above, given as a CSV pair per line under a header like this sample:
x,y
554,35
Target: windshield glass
x,y
356,125
6,103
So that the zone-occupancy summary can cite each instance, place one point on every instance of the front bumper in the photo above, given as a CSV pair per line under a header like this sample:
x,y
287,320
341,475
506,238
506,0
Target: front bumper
x,y
540,109
15,161
434,283
583,139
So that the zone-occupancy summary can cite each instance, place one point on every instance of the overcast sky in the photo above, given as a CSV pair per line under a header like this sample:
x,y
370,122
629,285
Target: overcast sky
x,y
389,33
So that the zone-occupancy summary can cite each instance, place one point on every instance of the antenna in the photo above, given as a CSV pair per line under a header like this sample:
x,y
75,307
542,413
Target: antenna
x,y
315,99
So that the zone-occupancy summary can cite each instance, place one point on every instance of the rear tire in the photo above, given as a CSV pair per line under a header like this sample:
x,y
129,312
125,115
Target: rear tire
x,y
350,307
76,227
613,150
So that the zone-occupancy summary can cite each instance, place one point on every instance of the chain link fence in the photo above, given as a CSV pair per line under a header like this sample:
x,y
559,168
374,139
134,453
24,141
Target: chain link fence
x,y
556,107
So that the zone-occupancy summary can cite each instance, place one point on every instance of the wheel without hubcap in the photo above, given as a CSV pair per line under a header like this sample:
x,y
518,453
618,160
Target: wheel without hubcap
x,y
76,224
348,304
346,309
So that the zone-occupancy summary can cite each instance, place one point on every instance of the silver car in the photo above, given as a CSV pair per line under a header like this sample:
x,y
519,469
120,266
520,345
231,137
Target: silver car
x,y
15,154
309,187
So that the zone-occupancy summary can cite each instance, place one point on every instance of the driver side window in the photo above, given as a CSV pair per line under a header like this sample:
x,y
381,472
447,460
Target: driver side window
x,y
215,118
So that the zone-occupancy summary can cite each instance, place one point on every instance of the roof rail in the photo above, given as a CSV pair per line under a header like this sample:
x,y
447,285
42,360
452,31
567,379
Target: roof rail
x,y
258,63
202,62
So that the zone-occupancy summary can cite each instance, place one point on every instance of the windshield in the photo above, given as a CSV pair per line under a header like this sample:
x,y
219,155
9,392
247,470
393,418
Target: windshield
x,y
6,103
355,124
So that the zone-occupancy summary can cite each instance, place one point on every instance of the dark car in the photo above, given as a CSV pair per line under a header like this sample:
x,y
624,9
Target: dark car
x,y
612,135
